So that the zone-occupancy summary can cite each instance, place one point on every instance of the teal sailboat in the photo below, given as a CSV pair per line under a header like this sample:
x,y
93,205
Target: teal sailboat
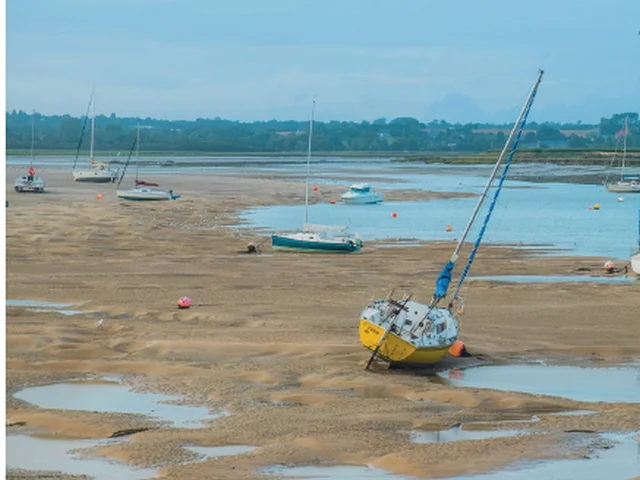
x,y
316,238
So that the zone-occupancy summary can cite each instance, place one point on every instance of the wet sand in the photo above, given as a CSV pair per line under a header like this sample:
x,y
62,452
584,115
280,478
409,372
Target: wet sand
x,y
273,339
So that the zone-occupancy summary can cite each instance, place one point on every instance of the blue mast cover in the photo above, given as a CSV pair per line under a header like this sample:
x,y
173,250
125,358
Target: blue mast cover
x,y
442,283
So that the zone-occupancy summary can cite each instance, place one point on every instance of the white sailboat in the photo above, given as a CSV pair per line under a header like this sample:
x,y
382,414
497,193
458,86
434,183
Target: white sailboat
x,y
30,182
143,191
413,333
316,238
98,172
627,183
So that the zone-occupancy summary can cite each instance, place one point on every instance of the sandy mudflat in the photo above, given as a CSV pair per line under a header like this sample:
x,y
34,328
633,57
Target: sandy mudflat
x,y
273,339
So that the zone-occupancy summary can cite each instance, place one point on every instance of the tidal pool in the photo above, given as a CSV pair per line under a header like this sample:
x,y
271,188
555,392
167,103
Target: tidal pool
x,y
113,397
605,384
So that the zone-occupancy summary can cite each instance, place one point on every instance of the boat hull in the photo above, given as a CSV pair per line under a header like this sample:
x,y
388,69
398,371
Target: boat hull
x,y
23,184
94,176
396,350
135,196
362,200
635,263
287,243
624,187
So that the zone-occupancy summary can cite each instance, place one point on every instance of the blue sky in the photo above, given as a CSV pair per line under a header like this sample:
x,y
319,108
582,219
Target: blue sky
x,y
461,60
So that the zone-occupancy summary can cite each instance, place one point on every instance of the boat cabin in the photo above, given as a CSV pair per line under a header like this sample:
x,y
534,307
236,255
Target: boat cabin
x,y
360,188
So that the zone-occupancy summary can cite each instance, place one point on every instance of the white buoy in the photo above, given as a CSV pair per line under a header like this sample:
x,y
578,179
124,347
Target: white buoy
x,y
620,199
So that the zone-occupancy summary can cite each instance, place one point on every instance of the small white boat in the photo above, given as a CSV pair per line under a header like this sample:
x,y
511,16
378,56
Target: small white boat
x,y
98,172
146,194
627,183
143,191
30,182
361,194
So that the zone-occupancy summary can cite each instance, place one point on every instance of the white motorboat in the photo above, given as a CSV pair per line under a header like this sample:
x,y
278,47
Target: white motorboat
x,y
361,194
98,172
29,183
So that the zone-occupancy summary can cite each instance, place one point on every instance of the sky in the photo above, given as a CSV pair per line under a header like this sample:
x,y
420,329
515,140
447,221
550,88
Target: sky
x,y
457,60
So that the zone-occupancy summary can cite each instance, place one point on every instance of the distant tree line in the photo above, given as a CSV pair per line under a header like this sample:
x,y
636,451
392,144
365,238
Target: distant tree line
x,y
404,134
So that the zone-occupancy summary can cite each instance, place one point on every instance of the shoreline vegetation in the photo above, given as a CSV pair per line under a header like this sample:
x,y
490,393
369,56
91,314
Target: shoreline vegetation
x,y
558,156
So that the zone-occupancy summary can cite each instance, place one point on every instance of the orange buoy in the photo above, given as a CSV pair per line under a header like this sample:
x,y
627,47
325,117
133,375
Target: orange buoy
x,y
458,349
315,189
394,215
99,196
449,228
333,201
184,302
590,208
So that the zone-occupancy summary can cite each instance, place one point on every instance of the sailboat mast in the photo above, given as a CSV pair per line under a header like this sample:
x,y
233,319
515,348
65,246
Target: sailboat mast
x,y
624,146
137,149
306,191
33,134
483,196
93,124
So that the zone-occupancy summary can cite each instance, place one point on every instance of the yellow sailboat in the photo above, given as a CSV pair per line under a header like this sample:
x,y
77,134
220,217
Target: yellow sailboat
x,y
408,332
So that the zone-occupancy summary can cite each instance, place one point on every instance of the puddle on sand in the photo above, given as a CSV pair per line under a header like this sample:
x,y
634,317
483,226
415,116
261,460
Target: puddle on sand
x,y
44,307
116,398
572,413
224,451
622,461
38,454
553,279
63,312
36,303
456,434
605,384
335,472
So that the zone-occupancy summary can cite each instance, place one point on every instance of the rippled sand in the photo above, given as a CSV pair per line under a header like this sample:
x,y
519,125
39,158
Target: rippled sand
x,y
273,338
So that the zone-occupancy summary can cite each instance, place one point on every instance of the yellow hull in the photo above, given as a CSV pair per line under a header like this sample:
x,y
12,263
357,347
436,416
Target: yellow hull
x,y
396,350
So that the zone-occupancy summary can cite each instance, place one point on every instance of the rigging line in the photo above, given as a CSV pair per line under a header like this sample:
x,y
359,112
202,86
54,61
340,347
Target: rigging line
x,y
507,164
135,142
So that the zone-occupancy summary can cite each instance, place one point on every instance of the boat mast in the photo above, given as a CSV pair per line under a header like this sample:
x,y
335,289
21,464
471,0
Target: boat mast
x,y
137,149
306,191
33,135
93,118
444,278
483,196
624,146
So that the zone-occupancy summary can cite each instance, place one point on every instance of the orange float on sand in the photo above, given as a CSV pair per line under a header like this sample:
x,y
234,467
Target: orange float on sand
x,y
99,196
458,349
